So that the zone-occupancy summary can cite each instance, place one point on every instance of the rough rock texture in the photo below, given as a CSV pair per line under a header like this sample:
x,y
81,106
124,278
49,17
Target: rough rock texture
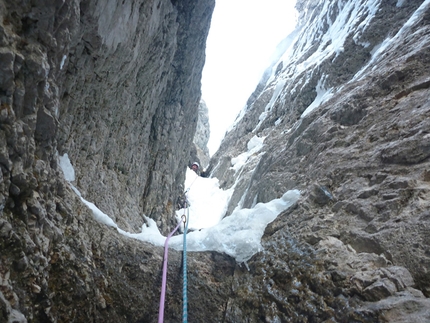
x,y
129,104
87,272
361,161
116,85
200,153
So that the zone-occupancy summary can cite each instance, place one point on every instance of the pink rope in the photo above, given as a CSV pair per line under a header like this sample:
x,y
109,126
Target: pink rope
x,y
164,281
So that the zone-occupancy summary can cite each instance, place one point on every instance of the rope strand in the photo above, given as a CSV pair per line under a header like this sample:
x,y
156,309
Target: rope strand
x,y
185,218
163,283
184,257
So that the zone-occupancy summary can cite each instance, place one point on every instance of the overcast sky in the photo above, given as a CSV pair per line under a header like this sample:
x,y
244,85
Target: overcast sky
x,y
242,37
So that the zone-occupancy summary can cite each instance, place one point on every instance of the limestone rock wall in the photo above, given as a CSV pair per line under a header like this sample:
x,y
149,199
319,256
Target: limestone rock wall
x,y
200,153
116,86
130,102
360,160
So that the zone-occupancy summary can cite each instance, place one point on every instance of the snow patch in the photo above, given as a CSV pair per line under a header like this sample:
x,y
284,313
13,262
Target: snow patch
x,y
350,15
98,214
255,143
207,202
322,96
67,168
399,3
63,60
237,235
254,146
379,49
277,91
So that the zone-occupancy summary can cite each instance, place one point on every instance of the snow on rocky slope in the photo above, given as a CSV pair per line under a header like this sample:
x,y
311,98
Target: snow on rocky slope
x,y
344,114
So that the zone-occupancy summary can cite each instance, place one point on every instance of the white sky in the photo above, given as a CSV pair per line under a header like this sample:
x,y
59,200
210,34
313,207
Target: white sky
x,y
242,38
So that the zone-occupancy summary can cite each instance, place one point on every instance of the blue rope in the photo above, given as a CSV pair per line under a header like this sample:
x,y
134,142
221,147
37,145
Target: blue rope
x,y
184,283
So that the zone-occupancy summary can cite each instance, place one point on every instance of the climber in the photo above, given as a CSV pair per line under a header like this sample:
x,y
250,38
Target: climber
x,y
195,167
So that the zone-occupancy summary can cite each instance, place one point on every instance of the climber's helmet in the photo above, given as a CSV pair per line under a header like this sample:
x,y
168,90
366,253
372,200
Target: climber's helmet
x,y
195,166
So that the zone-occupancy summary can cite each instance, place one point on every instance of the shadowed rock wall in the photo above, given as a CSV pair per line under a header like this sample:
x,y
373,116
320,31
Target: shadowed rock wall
x,y
129,104
116,85
200,153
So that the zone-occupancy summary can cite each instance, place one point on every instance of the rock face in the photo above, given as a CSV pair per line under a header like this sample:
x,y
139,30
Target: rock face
x,y
200,153
345,119
130,115
116,86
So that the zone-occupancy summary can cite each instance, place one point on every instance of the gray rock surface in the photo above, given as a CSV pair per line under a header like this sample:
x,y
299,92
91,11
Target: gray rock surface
x,y
116,85
201,152
129,104
361,162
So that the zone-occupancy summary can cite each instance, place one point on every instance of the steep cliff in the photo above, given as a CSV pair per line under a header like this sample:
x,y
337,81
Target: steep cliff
x,y
129,104
344,114
201,138
116,85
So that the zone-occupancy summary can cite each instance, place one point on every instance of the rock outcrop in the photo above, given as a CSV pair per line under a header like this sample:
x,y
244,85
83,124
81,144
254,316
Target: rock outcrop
x,y
200,151
344,117
116,85
129,104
